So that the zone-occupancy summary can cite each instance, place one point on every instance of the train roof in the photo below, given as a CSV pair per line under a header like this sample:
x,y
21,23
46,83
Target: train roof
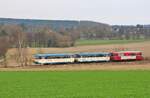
x,y
127,52
69,54
52,55
91,54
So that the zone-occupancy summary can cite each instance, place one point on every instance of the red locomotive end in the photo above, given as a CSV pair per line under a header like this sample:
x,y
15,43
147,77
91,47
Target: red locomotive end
x,y
126,55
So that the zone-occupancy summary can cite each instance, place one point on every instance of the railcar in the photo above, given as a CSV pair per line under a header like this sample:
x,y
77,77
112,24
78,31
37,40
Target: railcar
x,y
92,57
45,59
126,56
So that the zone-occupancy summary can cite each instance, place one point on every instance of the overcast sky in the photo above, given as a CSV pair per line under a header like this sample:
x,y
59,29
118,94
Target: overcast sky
x,y
106,11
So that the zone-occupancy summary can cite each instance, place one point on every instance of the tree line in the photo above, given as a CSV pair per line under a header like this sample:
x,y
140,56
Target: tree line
x,y
18,37
131,32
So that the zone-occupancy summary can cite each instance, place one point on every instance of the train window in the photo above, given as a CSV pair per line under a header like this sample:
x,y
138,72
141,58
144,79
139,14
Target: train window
x,y
100,55
86,56
133,54
57,57
78,56
91,56
49,57
104,55
39,57
66,57
139,53
127,54
121,54
114,54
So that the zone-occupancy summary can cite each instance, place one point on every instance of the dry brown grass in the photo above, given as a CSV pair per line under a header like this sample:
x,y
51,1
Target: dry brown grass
x,y
144,47
82,67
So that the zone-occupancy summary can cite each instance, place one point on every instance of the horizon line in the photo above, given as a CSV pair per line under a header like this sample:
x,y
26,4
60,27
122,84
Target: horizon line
x,y
46,19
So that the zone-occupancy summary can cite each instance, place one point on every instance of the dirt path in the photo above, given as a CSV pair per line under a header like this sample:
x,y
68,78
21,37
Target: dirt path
x,y
81,67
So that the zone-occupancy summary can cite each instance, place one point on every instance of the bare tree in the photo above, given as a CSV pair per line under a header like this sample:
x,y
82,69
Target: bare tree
x,y
17,39
21,46
4,46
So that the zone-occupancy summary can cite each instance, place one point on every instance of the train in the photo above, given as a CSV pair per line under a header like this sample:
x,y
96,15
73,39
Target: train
x,y
47,59
126,56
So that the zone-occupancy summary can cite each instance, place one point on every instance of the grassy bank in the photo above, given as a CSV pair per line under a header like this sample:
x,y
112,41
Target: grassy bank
x,y
86,84
105,42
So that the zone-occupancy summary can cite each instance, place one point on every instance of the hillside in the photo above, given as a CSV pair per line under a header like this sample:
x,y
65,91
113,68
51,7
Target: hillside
x,y
53,24
65,33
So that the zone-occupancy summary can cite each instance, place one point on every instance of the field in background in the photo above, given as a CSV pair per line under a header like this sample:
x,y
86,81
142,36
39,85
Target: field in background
x,y
71,84
139,46
106,42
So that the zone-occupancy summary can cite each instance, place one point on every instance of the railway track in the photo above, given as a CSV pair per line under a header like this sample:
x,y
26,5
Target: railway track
x,y
123,63
96,63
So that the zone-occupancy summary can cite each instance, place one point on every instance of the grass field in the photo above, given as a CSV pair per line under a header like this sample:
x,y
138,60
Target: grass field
x,y
105,42
79,84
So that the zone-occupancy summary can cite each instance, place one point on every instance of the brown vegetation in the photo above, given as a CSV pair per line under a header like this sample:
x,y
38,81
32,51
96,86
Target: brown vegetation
x,y
143,46
4,46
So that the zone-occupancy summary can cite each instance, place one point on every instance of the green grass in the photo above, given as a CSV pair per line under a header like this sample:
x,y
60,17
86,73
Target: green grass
x,y
105,42
85,84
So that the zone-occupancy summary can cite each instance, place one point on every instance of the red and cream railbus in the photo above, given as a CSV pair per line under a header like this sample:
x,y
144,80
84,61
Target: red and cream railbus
x,y
126,55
